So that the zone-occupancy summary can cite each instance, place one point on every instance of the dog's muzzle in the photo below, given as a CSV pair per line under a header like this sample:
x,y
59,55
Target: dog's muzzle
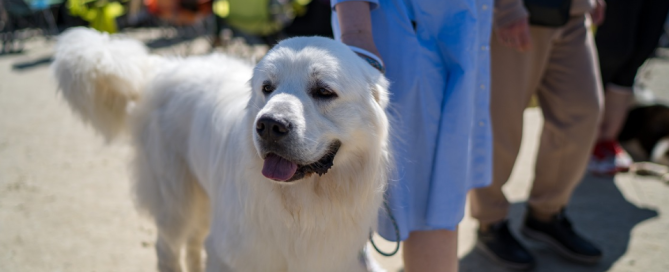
x,y
280,164
279,168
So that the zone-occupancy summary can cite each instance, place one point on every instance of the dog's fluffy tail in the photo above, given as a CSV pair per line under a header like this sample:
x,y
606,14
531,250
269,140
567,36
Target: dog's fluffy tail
x,y
102,76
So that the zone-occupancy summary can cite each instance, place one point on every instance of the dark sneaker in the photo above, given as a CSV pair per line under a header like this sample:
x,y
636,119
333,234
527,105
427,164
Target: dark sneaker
x,y
499,244
559,234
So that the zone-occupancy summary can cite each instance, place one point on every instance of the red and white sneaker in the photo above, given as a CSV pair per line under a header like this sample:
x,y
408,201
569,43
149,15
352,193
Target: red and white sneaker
x,y
609,158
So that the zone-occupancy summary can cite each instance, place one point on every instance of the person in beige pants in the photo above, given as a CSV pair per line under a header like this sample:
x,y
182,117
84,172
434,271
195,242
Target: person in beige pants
x,y
559,65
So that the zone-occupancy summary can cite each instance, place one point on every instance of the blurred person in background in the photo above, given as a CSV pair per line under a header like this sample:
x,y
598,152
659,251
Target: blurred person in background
x,y
436,57
625,40
549,52
269,21
180,12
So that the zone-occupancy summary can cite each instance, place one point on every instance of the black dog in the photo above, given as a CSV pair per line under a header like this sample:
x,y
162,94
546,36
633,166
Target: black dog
x,y
646,134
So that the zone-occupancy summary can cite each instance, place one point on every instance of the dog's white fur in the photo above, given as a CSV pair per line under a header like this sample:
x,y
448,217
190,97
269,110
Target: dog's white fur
x,y
198,164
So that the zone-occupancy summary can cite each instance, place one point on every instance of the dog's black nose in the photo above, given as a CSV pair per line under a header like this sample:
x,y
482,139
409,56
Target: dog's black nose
x,y
272,129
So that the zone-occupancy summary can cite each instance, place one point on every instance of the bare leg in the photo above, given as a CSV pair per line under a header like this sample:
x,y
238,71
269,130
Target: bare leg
x,y
431,251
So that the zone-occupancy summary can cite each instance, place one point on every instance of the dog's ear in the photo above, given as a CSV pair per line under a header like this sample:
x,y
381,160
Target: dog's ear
x,y
379,87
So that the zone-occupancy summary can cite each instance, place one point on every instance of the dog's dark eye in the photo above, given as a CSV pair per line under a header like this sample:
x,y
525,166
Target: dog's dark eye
x,y
267,88
323,93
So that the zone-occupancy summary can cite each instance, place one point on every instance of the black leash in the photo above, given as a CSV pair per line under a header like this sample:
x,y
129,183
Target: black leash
x,y
397,233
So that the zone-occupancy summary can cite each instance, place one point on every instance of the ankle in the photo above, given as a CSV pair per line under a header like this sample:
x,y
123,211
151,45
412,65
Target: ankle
x,y
541,216
487,227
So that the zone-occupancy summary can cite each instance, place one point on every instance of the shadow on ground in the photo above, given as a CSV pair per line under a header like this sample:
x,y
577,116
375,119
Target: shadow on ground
x,y
11,52
171,36
32,63
165,42
598,210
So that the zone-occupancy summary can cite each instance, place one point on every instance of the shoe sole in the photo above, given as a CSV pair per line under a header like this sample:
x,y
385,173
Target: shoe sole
x,y
563,251
506,264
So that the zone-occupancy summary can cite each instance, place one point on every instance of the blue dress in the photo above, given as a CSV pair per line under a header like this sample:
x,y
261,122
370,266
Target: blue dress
x,y
436,54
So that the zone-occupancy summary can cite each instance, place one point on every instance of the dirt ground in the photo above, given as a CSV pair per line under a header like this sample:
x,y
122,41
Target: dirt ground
x,y
65,202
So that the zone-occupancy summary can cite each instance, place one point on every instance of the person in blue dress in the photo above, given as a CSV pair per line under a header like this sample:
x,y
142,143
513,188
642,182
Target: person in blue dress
x,y
436,57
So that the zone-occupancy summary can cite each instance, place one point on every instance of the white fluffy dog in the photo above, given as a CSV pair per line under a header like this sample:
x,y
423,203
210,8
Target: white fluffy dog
x,y
286,174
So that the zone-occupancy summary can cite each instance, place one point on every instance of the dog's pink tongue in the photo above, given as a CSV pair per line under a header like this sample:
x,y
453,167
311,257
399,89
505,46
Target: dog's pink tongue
x,y
278,168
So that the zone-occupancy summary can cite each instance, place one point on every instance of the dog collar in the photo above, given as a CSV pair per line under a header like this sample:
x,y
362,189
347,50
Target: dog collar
x,y
372,59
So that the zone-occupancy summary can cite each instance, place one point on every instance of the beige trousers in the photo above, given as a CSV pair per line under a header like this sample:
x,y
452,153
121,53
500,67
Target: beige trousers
x,y
563,71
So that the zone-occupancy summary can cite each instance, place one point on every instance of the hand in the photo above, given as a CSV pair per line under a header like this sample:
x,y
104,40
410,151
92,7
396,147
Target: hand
x,y
598,14
515,35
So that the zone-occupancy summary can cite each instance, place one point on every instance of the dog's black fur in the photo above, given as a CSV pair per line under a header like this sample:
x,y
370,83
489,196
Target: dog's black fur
x,y
647,125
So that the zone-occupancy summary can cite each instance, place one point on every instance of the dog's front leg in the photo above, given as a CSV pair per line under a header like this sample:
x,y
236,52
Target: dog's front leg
x,y
168,256
214,264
